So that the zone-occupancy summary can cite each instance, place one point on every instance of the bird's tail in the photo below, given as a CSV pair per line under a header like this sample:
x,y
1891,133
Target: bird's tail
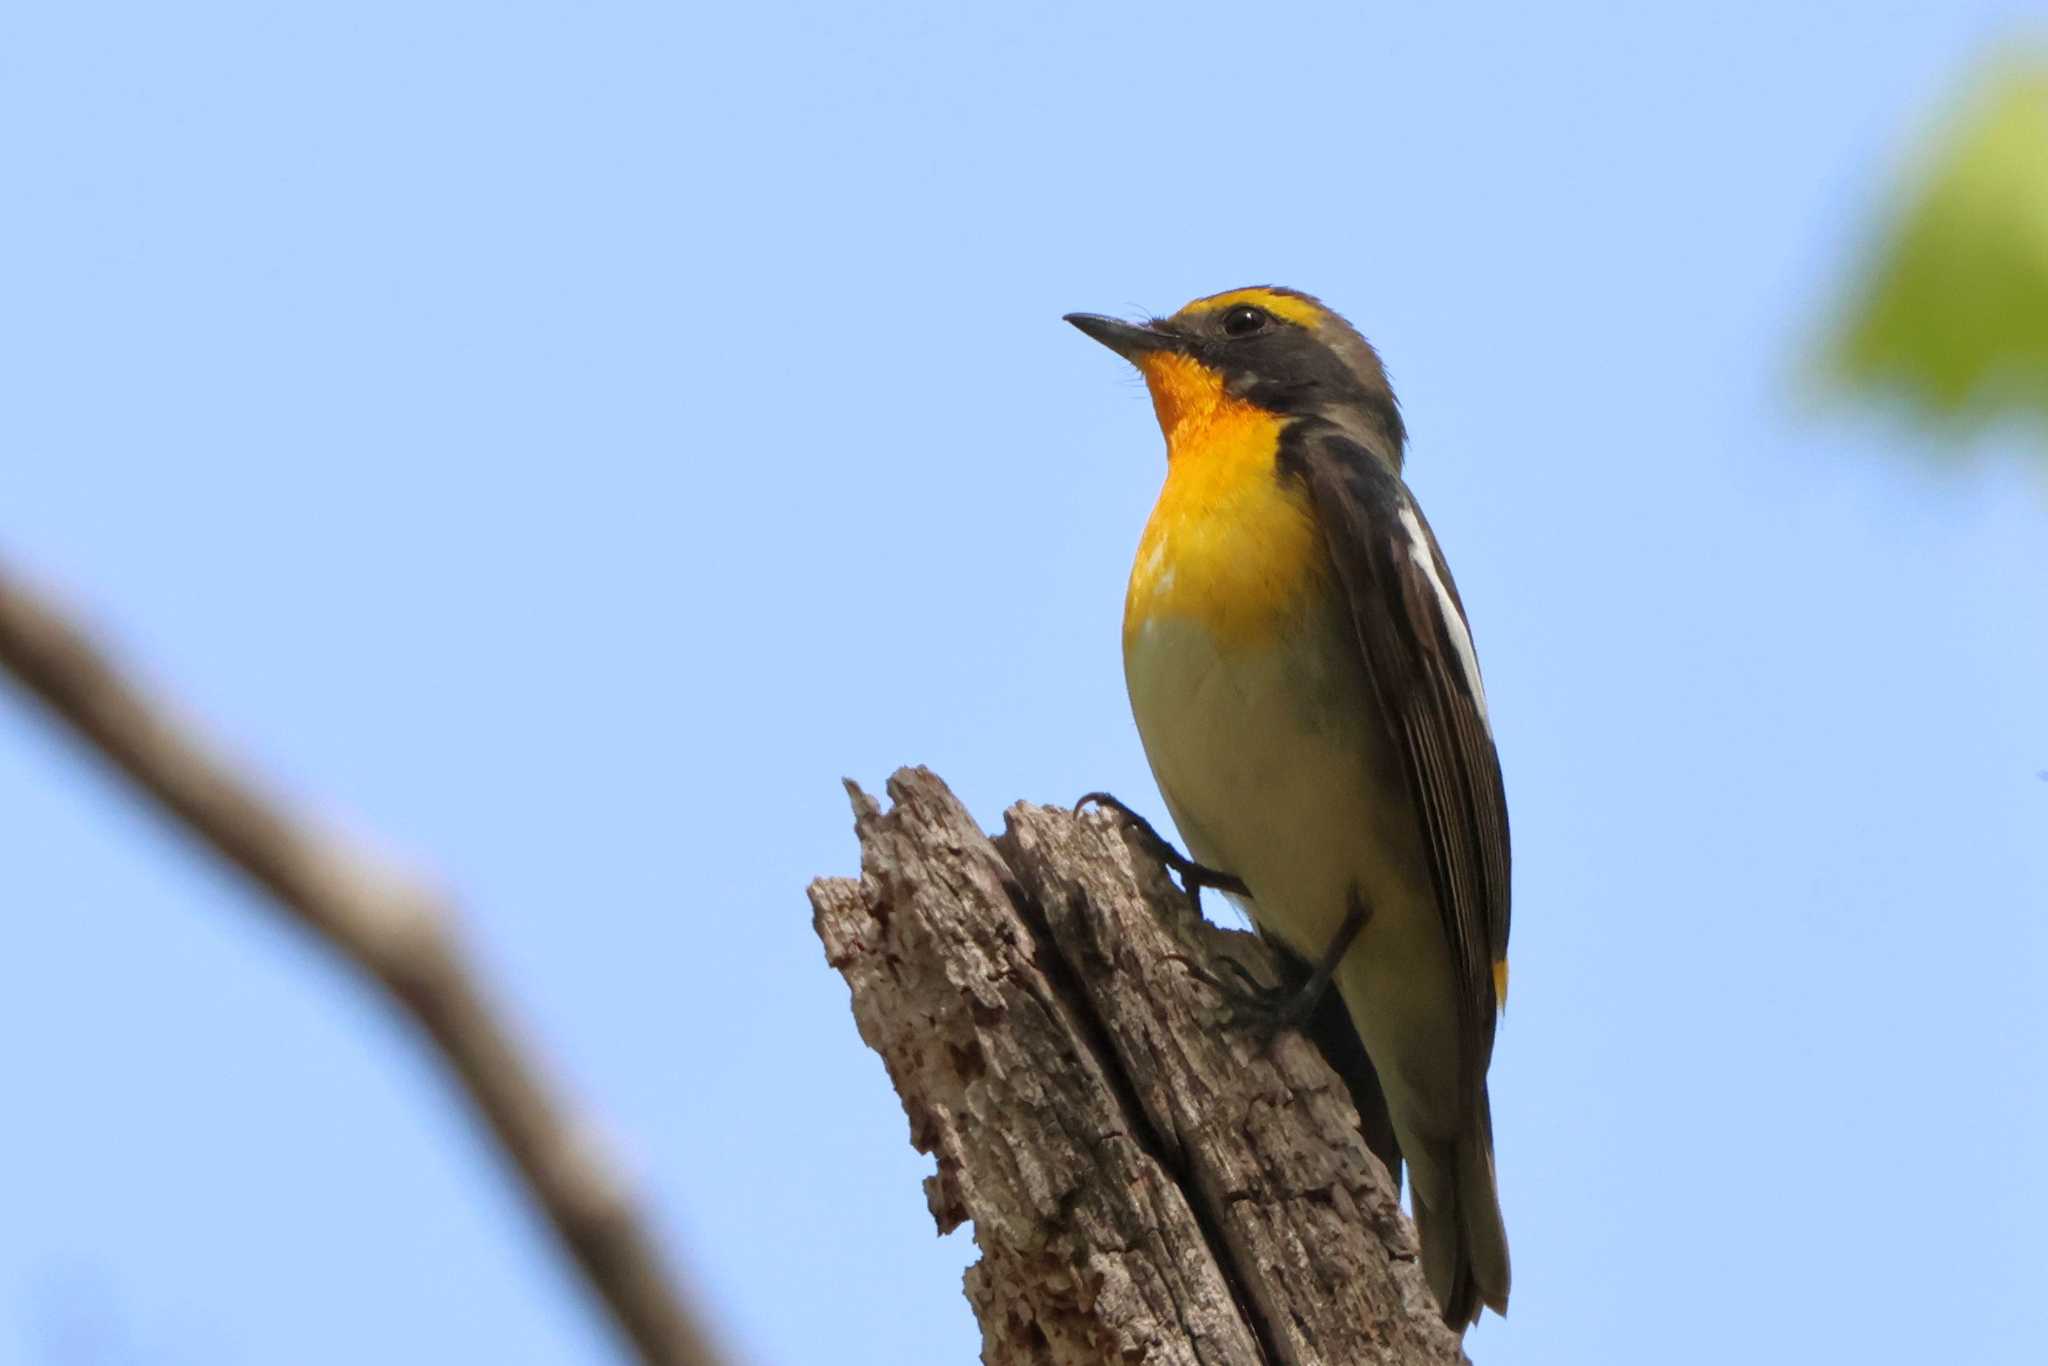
x,y
1457,1215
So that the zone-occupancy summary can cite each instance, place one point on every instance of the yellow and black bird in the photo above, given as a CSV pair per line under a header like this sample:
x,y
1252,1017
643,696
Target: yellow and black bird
x,y
1309,698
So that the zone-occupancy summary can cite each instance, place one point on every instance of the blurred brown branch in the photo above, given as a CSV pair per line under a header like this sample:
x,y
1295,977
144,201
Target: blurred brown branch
x,y
401,934
1144,1185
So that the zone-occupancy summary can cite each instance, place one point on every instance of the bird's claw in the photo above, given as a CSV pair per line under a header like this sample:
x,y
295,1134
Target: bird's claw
x,y
1193,876
1270,1009
1251,1004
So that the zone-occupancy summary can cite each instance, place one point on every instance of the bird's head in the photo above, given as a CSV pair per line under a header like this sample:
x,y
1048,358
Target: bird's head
x,y
1276,350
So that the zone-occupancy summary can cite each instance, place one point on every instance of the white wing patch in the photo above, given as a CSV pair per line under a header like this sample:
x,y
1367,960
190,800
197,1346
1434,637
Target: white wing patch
x,y
1454,620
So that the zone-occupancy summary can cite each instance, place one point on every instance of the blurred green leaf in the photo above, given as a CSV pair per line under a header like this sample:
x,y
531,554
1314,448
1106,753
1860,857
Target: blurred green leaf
x,y
1954,316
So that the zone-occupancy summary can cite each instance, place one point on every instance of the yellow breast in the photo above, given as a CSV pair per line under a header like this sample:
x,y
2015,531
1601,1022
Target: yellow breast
x,y
1229,545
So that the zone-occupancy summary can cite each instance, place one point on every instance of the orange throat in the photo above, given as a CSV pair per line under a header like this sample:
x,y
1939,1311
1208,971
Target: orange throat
x,y
1229,545
1189,398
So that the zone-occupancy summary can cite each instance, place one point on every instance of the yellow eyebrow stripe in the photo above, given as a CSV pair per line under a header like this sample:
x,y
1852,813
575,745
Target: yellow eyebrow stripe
x,y
1291,307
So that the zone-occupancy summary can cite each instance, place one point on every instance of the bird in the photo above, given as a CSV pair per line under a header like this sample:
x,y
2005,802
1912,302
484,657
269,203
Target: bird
x,y
1308,695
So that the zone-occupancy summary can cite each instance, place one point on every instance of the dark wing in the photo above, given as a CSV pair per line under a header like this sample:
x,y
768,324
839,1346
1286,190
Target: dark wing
x,y
1425,674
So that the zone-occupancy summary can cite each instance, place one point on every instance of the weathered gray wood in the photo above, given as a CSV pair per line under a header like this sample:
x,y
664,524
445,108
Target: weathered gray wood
x,y
1146,1185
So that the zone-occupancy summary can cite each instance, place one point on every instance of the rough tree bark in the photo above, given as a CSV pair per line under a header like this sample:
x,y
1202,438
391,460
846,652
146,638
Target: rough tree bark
x,y
1145,1185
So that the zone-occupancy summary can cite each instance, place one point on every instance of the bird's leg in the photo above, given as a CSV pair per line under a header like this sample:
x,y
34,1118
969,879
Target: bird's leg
x,y
1291,1004
1193,876
1310,994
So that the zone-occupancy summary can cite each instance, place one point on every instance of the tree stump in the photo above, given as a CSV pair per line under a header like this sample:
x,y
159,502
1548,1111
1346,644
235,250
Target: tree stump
x,y
1147,1184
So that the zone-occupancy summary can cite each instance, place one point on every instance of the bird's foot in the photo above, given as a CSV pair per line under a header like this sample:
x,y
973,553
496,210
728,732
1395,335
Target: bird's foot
x,y
1251,1003
1193,876
1260,1008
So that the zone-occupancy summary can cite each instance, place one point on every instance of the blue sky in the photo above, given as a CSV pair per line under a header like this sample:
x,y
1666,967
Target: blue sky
x,y
558,441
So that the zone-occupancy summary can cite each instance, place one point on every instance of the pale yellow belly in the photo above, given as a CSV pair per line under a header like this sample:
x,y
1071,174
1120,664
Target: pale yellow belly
x,y
1275,767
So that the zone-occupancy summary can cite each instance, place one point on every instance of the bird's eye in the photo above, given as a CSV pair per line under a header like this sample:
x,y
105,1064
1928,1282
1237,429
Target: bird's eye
x,y
1244,320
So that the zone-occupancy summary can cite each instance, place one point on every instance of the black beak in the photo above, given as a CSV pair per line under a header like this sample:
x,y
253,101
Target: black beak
x,y
1129,340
